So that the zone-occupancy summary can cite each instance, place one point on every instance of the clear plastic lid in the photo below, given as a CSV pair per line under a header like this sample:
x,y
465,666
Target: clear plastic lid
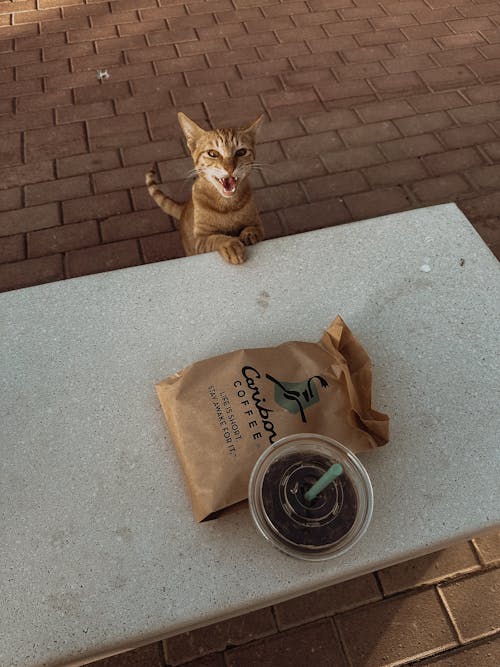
x,y
327,526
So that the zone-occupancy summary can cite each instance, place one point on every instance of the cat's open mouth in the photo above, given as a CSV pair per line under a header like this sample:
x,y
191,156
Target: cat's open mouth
x,y
229,184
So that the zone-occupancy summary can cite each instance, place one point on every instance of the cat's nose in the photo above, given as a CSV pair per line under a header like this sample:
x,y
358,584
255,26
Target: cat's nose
x,y
229,167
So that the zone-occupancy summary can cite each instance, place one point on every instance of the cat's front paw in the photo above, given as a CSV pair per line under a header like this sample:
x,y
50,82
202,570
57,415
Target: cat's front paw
x,y
233,251
251,235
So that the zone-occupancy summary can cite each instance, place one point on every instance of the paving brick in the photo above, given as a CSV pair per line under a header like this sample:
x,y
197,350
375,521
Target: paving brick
x,y
488,544
98,92
107,257
487,71
73,80
62,238
279,196
422,123
466,136
10,149
477,113
436,101
352,158
35,70
426,31
272,225
87,163
483,93
45,143
406,82
98,206
327,602
120,44
293,648
216,637
335,119
95,62
28,219
471,25
370,204
311,145
483,206
347,27
459,559
389,22
458,56
147,656
358,71
213,74
489,230
44,101
234,111
289,97
15,275
134,225
10,199
448,77
414,626
396,172
414,146
116,125
20,58
387,37
162,246
414,47
12,248
116,179
203,93
385,110
84,112
486,654
371,133
403,64
57,190
486,177
150,53
462,598
280,129
256,86
333,44
33,172
306,217
291,170
404,7
492,149
152,152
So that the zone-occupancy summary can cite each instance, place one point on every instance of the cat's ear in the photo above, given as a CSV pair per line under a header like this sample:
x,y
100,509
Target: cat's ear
x,y
253,127
191,130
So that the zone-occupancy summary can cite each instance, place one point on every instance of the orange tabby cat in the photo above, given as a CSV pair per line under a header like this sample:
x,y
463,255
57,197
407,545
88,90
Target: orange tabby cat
x,y
221,214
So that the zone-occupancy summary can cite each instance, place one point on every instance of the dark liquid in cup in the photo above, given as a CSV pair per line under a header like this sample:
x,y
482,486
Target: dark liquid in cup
x,y
320,523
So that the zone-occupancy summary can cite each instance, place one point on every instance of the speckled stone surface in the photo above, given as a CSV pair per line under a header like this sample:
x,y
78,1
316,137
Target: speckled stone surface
x,y
99,551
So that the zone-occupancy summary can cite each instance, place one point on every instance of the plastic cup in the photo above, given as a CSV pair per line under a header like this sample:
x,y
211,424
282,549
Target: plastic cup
x,y
327,526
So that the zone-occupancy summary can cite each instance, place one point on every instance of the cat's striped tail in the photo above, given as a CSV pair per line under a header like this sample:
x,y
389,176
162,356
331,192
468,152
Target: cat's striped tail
x,y
170,206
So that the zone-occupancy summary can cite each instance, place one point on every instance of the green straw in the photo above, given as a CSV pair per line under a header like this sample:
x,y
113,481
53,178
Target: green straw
x,y
334,471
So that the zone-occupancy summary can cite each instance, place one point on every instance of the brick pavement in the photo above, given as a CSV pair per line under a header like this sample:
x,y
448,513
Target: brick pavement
x,y
372,107
441,609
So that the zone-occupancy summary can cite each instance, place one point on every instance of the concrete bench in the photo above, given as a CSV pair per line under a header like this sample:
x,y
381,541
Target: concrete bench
x,y
99,552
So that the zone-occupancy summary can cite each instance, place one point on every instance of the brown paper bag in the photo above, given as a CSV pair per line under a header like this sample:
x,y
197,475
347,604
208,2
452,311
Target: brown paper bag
x,y
224,411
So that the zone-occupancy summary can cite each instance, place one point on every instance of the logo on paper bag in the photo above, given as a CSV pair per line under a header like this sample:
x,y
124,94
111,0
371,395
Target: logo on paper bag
x,y
297,396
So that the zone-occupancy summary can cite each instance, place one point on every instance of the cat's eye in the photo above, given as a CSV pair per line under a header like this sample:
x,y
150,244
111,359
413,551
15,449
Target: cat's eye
x,y
212,154
241,152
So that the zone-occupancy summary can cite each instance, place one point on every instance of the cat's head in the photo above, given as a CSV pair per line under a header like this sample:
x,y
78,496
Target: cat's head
x,y
224,157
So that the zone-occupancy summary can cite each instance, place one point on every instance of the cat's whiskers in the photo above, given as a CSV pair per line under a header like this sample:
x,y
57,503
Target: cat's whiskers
x,y
260,166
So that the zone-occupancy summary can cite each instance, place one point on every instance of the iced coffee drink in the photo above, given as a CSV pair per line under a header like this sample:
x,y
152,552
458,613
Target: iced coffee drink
x,y
279,495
